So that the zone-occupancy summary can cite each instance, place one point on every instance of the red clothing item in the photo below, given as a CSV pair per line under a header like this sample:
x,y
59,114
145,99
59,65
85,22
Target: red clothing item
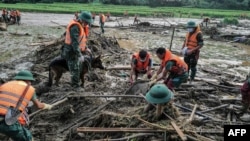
x,y
245,92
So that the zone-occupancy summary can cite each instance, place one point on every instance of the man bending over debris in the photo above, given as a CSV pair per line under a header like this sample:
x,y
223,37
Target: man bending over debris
x,y
191,47
174,66
245,92
141,63
75,43
159,94
14,98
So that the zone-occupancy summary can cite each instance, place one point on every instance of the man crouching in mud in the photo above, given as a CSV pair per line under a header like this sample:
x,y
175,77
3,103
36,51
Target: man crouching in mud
x,y
160,95
245,93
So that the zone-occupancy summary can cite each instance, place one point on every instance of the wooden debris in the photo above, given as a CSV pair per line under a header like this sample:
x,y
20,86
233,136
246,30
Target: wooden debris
x,y
179,132
121,129
215,108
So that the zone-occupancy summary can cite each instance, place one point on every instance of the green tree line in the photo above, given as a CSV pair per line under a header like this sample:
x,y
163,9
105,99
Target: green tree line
x,y
218,4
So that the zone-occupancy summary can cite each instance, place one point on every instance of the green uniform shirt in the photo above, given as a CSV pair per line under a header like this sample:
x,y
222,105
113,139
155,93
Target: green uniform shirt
x,y
169,65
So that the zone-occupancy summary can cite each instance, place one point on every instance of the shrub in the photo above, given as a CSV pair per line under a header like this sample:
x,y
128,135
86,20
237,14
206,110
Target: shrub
x,y
233,21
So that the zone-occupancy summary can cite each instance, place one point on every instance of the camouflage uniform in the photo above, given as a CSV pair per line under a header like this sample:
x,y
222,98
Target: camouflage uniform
x,y
192,59
71,54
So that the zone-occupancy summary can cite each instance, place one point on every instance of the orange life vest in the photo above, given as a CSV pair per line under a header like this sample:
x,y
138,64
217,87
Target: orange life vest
x,y
18,13
166,58
141,66
103,18
180,66
10,93
82,37
4,12
13,13
191,41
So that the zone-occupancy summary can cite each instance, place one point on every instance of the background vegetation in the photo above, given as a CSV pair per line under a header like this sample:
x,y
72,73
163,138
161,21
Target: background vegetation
x,y
222,4
177,8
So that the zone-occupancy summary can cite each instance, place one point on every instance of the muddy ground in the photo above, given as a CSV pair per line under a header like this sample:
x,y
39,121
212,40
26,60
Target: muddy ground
x,y
222,68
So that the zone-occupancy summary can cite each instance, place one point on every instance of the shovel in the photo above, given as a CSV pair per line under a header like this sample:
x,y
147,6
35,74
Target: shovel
x,y
12,115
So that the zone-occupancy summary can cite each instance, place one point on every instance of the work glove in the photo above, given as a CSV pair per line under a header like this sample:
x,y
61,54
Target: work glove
x,y
152,82
154,77
81,58
47,106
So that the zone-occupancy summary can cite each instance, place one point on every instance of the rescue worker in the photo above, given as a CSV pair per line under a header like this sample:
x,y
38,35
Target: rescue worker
x,y
174,66
102,21
75,43
13,16
141,64
206,21
108,16
5,15
245,93
76,15
191,47
18,17
136,20
160,95
11,93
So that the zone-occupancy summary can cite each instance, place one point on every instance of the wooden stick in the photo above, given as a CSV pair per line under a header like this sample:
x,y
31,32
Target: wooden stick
x,y
215,108
114,129
126,138
122,68
94,96
179,132
54,104
192,114
172,37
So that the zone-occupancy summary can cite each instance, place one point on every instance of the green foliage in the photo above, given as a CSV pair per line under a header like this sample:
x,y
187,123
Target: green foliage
x,y
231,21
119,9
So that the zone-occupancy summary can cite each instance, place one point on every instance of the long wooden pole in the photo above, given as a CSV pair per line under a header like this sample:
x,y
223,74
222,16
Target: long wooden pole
x,y
172,37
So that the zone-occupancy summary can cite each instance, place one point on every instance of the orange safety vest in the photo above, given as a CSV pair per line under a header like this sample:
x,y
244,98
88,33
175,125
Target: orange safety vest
x,y
4,12
18,13
180,66
191,41
166,58
140,66
10,93
103,18
82,37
